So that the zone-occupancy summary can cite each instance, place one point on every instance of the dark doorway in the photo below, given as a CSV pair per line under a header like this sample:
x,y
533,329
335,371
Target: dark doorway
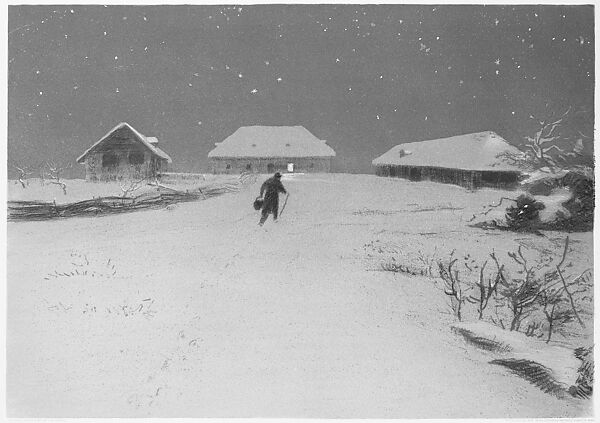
x,y
270,167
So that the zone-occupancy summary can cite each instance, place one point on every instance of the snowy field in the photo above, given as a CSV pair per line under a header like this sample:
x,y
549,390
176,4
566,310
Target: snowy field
x,y
196,311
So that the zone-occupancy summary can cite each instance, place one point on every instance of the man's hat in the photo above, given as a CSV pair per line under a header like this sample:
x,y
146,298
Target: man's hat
x,y
278,175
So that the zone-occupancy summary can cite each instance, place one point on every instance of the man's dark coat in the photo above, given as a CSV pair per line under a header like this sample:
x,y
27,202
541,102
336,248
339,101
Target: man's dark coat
x,y
271,187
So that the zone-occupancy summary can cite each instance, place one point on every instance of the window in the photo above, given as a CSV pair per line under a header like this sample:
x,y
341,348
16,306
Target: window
x,y
136,158
228,166
110,160
248,166
312,165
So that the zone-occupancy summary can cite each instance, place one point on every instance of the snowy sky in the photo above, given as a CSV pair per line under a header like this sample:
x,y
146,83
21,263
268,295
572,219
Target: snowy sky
x,y
365,78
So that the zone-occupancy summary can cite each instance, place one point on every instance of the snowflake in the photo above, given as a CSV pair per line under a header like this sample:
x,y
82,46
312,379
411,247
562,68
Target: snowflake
x,y
254,91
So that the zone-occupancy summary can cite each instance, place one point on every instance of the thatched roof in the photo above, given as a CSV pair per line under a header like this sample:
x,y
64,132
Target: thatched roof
x,y
147,142
272,141
478,151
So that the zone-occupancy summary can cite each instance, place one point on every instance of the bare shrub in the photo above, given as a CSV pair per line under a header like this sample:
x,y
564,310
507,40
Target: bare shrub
x,y
485,288
132,186
584,385
452,285
519,294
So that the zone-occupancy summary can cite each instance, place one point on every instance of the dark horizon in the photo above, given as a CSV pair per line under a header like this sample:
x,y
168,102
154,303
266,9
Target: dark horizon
x,y
362,77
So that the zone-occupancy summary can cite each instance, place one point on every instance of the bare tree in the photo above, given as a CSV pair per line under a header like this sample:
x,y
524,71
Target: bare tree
x,y
54,172
558,140
542,146
23,173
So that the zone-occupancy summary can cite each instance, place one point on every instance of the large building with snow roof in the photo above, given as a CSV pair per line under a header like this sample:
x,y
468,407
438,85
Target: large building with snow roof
x,y
471,160
267,149
124,153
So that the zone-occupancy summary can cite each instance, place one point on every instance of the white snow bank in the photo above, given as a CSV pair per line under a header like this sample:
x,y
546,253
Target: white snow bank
x,y
559,358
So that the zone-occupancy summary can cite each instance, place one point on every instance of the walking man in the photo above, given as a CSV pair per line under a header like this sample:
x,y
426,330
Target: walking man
x,y
271,189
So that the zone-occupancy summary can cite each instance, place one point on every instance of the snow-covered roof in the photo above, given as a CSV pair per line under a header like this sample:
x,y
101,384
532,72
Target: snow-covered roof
x,y
478,151
148,142
272,141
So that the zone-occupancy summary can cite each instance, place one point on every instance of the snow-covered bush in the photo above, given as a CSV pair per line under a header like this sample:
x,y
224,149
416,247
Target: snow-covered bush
x,y
525,214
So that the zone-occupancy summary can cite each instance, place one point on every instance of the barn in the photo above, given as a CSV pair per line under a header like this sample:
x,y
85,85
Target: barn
x,y
124,153
471,161
267,149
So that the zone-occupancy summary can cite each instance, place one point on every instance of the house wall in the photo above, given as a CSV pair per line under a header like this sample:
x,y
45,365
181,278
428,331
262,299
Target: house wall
x,y
235,165
471,179
130,159
96,168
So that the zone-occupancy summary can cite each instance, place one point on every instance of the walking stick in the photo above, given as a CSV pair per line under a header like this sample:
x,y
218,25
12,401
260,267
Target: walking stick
x,y
284,203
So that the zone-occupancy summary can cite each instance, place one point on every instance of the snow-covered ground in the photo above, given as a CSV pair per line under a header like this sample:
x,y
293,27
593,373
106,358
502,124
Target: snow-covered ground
x,y
196,311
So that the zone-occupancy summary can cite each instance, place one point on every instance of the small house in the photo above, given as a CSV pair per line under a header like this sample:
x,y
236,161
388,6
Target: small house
x,y
267,149
471,160
124,153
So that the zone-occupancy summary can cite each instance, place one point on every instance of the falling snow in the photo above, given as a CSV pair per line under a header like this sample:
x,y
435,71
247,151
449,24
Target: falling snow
x,y
357,58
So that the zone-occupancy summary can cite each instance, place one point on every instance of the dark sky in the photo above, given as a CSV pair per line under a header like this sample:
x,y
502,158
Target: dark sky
x,y
365,78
